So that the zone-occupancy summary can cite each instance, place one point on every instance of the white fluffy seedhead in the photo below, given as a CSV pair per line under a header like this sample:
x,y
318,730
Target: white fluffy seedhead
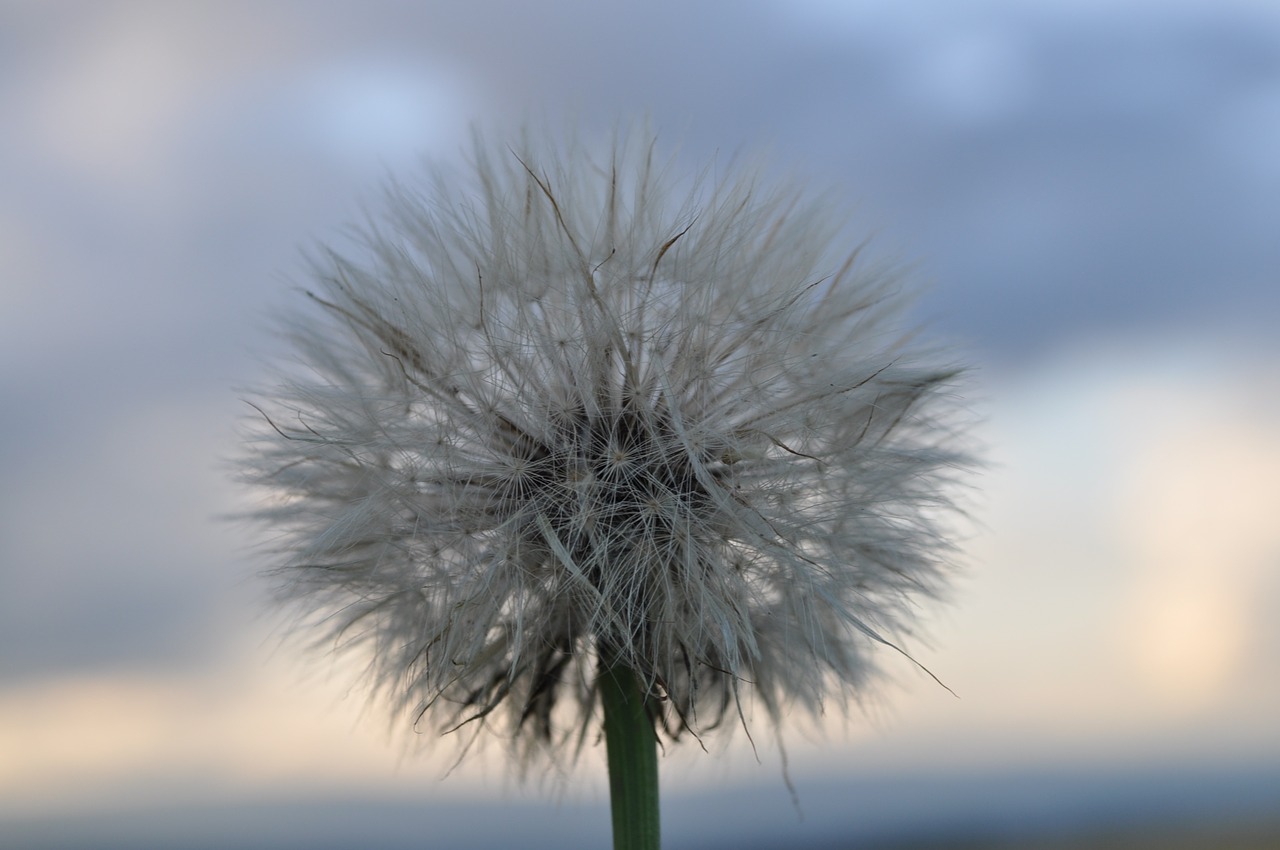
x,y
557,417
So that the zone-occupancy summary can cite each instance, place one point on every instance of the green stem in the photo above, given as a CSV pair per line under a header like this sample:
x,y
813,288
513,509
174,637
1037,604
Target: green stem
x,y
633,760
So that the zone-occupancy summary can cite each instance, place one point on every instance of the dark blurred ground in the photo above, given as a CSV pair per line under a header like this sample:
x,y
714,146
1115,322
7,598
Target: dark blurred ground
x,y
1151,807
1253,835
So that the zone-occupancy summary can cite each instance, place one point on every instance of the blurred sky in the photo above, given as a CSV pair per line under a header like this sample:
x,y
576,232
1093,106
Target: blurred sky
x,y
1092,190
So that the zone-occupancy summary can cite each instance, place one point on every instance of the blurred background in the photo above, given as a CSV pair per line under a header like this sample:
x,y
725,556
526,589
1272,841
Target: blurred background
x,y
1090,190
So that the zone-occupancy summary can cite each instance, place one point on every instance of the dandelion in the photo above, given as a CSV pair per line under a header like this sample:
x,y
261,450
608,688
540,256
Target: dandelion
x,y
576,439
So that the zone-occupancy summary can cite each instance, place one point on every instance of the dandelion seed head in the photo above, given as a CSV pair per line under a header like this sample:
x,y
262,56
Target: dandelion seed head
x,y
570,412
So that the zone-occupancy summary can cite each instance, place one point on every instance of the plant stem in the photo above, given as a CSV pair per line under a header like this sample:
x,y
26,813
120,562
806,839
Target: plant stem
x,y
633,760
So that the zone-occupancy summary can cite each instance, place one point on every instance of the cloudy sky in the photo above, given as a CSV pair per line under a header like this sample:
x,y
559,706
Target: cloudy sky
x,y
1091,192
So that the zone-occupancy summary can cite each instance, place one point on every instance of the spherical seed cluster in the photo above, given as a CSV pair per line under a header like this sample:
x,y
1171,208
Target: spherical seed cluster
x,y
559,418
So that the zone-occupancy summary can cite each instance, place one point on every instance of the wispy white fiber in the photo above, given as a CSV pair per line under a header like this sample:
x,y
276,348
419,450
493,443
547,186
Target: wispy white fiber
x,y
571,411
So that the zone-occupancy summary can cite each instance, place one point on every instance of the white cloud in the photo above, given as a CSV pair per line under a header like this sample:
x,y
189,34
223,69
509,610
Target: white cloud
x,y
972,74
116,87
366,108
